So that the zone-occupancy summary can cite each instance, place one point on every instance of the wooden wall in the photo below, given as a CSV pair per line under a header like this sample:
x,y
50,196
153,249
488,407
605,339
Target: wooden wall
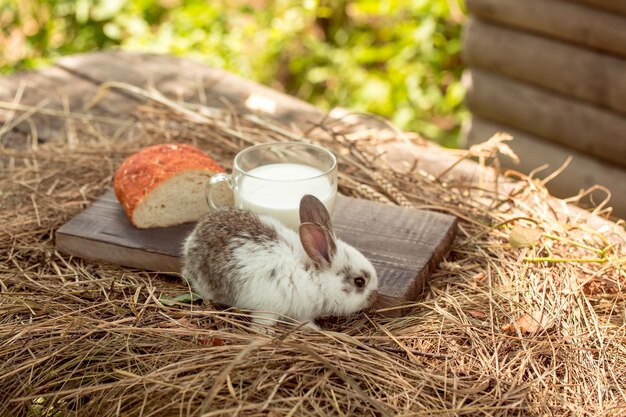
x,y
553,74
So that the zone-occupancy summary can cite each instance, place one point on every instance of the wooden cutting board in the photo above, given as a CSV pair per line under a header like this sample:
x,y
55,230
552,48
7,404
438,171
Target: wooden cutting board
x,y
403,244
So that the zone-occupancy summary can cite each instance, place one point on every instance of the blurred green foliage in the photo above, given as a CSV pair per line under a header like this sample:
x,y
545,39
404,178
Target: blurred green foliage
x,y
397,58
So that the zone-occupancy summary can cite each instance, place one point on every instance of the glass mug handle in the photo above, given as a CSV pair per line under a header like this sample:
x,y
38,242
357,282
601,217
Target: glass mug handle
x,y
210,187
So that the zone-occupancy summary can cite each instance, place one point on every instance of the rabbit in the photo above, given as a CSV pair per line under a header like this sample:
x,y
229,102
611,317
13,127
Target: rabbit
x,y
241,259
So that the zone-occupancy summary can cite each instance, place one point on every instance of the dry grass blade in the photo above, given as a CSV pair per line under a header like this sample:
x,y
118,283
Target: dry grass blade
x,y
82,338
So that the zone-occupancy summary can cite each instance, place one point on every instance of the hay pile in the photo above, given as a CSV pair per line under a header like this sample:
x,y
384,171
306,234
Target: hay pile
x,y
524,317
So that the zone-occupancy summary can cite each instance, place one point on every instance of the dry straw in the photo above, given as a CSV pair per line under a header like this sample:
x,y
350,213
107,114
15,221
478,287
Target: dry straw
x,y
513,322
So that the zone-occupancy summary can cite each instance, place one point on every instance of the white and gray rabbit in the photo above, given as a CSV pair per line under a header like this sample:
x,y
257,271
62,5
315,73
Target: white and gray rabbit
x,y
240,259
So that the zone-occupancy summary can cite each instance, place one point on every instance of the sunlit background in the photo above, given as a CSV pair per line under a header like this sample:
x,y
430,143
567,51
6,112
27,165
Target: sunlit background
x,y
396,58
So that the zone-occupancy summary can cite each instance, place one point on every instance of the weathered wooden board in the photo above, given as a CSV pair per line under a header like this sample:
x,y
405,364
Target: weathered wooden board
x,y
568,21
75,80
618,6
54,91
596,77
572,123
583,172
187,79
403,244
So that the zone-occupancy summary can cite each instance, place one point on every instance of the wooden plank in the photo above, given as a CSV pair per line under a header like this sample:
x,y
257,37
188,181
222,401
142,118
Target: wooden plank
x,y
75,80
583,172
562,20
572,123
57,90
404,245
597,78
104,233
196,83
618,6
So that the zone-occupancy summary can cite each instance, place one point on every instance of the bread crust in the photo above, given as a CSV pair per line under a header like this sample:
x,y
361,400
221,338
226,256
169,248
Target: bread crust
x,y
143,171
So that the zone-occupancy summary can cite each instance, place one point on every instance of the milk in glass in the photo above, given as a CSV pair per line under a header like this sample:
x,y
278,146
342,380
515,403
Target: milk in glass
x,y
276,190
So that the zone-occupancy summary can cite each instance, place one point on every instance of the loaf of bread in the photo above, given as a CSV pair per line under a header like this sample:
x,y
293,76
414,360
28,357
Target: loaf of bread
x,y
163,185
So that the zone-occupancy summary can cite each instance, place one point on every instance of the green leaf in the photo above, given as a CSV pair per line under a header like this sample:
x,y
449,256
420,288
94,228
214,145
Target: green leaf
x,y
186,298
108,9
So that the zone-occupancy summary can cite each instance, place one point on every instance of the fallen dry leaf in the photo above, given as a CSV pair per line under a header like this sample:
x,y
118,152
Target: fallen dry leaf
x,y
477,314
523,237
593,287
477,278
529,323
211,341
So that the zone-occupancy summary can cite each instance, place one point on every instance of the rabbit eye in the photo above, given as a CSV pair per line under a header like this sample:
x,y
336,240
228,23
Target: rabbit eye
x,y
359,282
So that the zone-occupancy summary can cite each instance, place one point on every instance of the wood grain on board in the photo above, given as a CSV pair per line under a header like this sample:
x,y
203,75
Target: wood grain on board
x,y
187,79
596,78
403,244
49,96
72,83
573,123
618,6
564,20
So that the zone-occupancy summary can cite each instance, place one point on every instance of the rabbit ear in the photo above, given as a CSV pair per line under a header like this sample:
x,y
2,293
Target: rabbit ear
x,y
318,243
313,211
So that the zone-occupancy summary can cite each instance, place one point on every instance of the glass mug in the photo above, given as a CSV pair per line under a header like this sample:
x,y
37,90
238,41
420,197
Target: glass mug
x,y
271,178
